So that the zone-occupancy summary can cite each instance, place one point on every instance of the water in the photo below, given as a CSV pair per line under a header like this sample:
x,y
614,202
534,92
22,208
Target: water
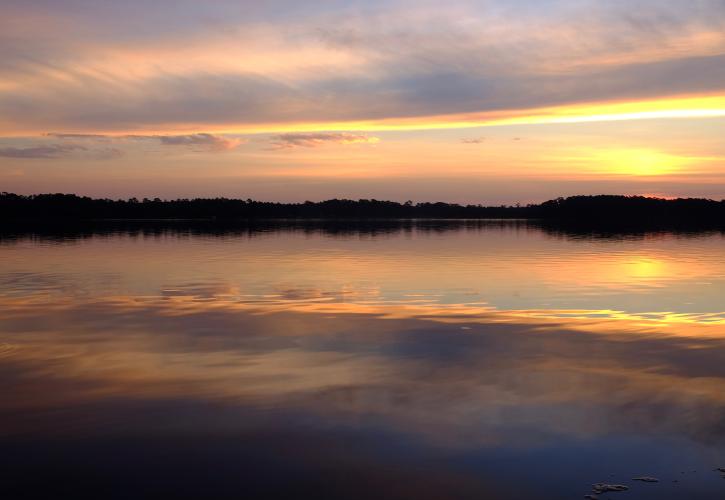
x,y
461,360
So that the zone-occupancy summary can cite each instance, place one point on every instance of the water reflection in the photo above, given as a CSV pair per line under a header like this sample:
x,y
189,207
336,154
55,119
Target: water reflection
x,y
400,366
505,265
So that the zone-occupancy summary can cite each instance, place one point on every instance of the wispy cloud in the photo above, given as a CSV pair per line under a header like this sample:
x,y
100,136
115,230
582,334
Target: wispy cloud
x,y
49,151
205,141
316,139
75,136
198,141
105,153
58,151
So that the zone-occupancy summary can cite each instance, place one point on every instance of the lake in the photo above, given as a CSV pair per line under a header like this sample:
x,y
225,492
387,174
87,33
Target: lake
x,y
425,360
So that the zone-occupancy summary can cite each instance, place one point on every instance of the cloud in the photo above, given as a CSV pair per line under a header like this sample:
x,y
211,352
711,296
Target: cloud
x,y
333,63
105,153
473,140
204,141
313,140
76,136
50,151
58,151
200,141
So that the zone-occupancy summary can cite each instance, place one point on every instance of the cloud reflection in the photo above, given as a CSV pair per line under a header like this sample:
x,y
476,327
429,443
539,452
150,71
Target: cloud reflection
x,y
395,364
140,358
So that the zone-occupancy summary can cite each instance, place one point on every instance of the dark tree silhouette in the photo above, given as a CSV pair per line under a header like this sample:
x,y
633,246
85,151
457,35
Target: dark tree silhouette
x,y
603,210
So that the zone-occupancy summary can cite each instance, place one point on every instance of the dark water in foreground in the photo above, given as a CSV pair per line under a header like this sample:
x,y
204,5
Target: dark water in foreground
x,y
486,361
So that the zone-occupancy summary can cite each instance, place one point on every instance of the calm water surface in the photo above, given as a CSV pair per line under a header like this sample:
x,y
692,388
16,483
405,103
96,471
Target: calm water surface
x,y
486,361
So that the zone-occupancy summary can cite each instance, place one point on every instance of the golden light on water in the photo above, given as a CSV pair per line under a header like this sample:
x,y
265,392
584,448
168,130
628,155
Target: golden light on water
x,y
647,268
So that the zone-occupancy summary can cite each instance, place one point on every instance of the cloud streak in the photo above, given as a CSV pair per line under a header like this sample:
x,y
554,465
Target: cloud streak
x,y
204,141
199,141
60,151
313,140
50,151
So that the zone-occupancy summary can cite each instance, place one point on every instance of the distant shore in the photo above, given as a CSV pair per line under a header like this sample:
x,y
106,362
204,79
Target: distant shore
x,y
584,211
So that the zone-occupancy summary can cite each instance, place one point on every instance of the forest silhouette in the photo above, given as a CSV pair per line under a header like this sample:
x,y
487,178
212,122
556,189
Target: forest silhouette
x,y
601,210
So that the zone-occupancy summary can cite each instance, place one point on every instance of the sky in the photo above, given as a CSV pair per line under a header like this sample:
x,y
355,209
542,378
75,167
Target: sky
x,y
487,101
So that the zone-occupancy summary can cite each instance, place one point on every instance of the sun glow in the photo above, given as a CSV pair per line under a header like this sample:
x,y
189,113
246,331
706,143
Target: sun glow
x,y
639,162
646,268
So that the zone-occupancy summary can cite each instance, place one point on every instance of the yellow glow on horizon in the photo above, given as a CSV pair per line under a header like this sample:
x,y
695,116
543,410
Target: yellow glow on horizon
x,y
639,162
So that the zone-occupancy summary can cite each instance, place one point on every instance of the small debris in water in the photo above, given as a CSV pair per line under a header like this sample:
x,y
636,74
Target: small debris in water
x,y
604,488
646,479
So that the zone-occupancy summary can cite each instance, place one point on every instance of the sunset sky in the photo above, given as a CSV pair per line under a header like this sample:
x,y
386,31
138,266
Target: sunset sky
x,y
488,101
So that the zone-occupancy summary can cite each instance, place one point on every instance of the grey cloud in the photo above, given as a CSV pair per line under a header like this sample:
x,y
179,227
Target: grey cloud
x,y
76,136
58,151
312,140
235,99
45,151
203,140
105,153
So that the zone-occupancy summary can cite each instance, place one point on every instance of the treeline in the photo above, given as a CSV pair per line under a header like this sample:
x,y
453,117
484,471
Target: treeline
x,y
632,211
69,206
593,210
